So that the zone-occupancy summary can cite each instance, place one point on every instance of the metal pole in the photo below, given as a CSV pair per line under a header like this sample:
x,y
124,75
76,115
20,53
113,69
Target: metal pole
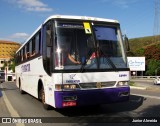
x,y
6,73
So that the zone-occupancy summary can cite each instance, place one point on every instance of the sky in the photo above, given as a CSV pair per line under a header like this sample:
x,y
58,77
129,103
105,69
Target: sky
x,y
20,18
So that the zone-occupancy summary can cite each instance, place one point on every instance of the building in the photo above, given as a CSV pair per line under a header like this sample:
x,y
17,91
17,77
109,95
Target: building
x,y
7,51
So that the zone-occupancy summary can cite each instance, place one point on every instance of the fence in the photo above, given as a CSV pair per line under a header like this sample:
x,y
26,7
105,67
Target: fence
x,y
144,77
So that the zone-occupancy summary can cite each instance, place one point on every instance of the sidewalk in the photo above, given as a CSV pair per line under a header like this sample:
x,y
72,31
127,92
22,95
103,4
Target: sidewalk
x,y
140,84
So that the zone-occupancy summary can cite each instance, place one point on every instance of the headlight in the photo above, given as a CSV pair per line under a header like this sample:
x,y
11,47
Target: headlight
x,y
66,86
122,83
70,86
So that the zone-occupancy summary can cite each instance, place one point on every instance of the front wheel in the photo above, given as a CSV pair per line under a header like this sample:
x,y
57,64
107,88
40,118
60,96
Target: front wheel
x,y
42,96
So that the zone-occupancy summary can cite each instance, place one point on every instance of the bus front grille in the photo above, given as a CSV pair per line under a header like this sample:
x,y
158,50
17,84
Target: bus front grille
x,y
97,84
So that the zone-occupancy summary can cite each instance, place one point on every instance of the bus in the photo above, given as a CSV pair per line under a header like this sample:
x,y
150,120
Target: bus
x,y
2,76
74,61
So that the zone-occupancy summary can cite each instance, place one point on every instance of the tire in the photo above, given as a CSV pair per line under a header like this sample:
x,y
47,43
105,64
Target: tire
x,y
20,88
42,97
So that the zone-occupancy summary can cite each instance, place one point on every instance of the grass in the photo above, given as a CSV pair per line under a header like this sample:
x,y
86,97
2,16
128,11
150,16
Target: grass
x,y
131,83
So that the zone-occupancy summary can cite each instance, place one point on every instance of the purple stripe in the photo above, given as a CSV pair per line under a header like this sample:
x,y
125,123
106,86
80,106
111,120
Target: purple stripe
x,y
93,97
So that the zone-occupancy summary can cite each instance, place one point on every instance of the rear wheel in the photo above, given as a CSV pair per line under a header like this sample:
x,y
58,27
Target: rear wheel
x,y
42,97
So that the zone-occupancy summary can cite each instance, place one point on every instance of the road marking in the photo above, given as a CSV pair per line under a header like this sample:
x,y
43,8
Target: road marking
x,y
12,111
148,96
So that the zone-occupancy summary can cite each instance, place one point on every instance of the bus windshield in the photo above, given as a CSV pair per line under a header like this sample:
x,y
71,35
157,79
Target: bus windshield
x,y
98,47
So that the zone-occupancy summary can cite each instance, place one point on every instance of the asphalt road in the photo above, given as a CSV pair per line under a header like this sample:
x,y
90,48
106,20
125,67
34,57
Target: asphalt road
x,y
143,82
142,104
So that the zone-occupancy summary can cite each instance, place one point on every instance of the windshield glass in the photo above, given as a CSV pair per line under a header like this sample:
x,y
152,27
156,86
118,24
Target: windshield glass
x,y
110,49
80,45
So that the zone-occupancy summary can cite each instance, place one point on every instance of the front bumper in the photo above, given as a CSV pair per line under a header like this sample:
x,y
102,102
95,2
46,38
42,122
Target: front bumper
x,y
94,96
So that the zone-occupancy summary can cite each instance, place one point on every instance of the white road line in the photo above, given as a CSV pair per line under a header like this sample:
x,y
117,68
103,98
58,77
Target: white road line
x,y
148,96
12,111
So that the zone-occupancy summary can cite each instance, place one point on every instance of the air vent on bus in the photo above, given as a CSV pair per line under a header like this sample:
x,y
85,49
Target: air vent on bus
x,y
97,84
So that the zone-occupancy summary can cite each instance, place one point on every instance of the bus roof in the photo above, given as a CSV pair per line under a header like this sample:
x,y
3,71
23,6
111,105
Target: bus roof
x,y
68,17
80,18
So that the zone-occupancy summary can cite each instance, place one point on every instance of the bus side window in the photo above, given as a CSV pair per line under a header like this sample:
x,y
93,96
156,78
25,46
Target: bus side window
x,y
16,58
27,51
24,52
21,55
30,47
37,43
33,52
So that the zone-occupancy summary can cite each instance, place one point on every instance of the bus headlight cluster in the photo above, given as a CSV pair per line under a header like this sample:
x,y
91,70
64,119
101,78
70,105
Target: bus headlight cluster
x,y
122,83
70,86
67,86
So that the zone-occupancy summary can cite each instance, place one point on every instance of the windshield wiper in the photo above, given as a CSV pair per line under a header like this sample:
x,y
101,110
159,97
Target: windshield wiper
x,y
84,64
108,60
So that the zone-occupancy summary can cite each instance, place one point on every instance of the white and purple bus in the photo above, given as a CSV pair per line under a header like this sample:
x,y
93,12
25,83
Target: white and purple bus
x,y
74,61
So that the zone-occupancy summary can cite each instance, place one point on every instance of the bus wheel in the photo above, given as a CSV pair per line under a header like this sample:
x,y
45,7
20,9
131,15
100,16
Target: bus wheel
x,y
20,88
42,95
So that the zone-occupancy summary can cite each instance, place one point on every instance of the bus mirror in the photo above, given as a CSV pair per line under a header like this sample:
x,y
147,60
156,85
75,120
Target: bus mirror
x,y
126,43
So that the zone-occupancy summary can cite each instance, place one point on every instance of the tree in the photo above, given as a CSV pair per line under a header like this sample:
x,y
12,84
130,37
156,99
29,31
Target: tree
x,y
152,52
140,52
152,66
12,65
5,65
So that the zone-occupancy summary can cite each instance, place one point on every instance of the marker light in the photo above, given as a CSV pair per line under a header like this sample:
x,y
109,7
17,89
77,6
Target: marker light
x,y
66,86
